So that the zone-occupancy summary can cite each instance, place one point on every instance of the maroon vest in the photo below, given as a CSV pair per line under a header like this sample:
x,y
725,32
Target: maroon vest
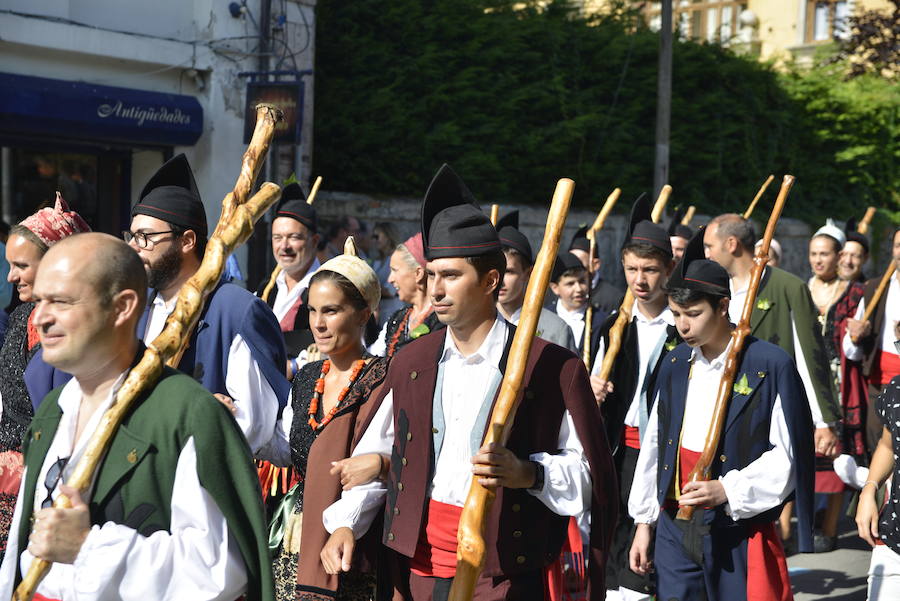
x,y
521,533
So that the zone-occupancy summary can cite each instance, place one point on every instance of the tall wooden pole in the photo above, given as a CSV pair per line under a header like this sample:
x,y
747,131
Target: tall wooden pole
x,y
663,99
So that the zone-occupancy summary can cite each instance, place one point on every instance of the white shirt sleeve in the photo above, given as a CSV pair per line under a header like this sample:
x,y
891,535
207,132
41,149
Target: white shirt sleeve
x,y
643,503
567,476
256,402
805,377
358,507
379,347
766,482
852,351
199,559
278,450
598,358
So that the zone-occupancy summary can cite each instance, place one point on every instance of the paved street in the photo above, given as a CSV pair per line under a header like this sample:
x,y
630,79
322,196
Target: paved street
x,y
836,576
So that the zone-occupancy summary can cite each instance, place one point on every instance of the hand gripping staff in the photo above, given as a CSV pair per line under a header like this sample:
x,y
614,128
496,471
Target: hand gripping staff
x,y
471,548
277,270
592,236
624,316
738,337
234,227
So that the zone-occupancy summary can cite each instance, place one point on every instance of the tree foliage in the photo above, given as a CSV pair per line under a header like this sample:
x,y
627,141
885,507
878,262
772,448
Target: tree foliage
x,y
515,98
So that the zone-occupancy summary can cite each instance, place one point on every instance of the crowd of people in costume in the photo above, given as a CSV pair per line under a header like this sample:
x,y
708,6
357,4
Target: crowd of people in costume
x,y
319,438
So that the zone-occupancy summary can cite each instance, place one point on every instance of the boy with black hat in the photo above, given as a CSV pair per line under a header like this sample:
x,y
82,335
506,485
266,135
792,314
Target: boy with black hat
x,y
236,349
679,234
729,550
569,282
626,399
431,416
604,296
295,238
519,261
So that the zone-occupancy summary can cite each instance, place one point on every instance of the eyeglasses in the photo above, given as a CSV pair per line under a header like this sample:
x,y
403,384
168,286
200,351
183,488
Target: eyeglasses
x,y
54,475
142,239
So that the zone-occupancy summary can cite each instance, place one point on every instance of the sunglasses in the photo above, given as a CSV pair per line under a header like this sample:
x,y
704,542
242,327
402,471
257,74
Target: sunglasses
x,y
54,475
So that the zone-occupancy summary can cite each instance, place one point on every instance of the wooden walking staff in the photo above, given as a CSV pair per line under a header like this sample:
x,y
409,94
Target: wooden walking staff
x,y
235,226
879,292
592,252
688,215
471,548
624,316
863,226
277,270
762,190
733,361
495,214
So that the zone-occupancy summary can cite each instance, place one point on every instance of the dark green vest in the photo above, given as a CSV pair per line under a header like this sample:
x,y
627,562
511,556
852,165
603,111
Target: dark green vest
x,y
135,480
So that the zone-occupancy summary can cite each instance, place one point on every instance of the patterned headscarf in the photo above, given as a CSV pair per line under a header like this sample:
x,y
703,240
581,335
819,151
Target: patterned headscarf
x,y
416,248
357,271
53,224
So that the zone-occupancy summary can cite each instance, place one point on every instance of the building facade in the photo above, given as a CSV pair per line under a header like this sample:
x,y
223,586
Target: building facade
x,y
97,95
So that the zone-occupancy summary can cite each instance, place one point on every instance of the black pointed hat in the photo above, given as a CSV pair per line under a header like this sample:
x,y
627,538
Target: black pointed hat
x,y
642,230
695,272
564,262
452,223
676,228
580,240
511,237
294,205
854,236
172,195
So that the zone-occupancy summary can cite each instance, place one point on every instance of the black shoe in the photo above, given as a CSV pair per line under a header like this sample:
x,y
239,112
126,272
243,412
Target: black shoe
x,y
790,546
824,544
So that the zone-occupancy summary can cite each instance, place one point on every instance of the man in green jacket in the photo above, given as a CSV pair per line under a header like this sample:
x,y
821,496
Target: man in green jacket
x,y
174,511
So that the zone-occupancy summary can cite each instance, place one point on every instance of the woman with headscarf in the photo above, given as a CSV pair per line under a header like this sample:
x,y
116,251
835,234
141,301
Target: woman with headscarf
x,y
416,317
22,392
321,426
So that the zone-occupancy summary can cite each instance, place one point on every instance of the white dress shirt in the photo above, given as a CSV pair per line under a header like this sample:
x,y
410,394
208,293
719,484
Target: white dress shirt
x,y
761,485
567,484
649,332
574,319
887,335
284,298
736,306
255,402
197,559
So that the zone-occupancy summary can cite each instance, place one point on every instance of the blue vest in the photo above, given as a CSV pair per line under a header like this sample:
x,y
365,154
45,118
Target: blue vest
x,y
230,311
770,372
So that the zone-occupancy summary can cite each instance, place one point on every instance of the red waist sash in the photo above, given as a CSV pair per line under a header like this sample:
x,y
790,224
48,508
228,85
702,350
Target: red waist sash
x,y
436,550
632,437
887,367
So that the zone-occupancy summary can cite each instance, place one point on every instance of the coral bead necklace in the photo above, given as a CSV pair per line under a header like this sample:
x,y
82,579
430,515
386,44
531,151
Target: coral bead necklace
x,y
319,390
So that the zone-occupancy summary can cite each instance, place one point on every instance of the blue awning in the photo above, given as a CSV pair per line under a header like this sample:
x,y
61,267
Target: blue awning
x,y
84,111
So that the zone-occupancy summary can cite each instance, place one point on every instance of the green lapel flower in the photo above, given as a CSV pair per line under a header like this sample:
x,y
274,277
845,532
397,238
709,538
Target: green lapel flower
x,y
763,304
538,334
742,386
419,330
670,344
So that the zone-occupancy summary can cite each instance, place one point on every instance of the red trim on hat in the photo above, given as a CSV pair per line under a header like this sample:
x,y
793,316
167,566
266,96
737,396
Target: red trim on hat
x,y
296,216
648,239
701,282
467,246
148,206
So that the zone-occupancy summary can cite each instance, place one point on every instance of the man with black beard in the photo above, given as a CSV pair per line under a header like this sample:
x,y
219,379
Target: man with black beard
x,y
236,349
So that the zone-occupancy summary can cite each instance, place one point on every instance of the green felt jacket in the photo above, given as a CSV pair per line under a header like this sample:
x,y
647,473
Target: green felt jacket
x,y
134,483
781,298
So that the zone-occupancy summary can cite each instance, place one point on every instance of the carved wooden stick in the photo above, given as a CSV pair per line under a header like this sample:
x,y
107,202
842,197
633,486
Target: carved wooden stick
x,y
235,226
277,269
733,361
624,316
762,190
592,237
689,215
495,214
879,292
863,226
471,548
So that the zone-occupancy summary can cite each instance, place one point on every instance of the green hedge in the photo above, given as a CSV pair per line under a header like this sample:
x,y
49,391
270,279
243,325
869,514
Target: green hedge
x,y
515,99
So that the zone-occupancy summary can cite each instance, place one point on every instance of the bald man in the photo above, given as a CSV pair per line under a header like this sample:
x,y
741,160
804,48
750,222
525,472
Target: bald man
x,y
174,511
